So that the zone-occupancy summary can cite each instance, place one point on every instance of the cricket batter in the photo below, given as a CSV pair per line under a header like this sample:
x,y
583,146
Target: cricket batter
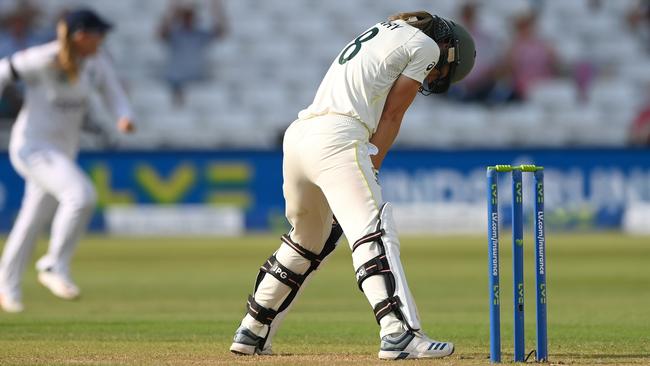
x,y
58,78
332,153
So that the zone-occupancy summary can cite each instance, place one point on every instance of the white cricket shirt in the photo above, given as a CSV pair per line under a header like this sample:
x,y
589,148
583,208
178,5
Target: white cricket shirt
x,y
54,107
361,76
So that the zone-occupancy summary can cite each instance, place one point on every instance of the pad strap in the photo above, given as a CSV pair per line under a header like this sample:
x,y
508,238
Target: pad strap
x,y
368,238
283,274
376,266
390,305
332,240
315,259
260,313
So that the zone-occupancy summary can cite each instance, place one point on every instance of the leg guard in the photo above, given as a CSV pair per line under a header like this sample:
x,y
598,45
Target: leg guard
x,y
388,264
272,267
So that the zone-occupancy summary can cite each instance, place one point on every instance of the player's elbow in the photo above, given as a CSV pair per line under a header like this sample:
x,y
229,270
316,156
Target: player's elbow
x,y
394,117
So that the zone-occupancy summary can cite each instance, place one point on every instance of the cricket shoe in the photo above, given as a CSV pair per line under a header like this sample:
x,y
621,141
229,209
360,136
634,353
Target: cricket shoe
x,y
11,305
248,343
412,344
60,285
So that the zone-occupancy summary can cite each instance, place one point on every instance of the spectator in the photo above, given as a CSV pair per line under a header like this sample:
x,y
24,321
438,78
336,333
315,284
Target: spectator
x,y
640,131
595,61
18,29
17,34
479,85
187,43
638,20
529,59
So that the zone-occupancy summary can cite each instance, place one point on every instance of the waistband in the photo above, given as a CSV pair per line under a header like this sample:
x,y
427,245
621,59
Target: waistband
x,y
335,119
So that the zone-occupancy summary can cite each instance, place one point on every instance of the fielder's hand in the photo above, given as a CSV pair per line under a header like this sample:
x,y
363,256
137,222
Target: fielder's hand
x,y
125,125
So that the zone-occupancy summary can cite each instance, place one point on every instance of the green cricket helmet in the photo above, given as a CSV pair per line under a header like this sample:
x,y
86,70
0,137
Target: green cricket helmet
x,y
460,52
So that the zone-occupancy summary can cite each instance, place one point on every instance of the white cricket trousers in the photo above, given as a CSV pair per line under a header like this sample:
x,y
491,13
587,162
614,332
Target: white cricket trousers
x,y
327,171
51,176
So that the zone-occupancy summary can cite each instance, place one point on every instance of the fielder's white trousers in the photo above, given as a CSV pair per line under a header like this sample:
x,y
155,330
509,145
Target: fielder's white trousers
x,y
327,171
51,176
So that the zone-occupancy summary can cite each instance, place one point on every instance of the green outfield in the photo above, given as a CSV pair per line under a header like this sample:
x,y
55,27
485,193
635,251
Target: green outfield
x,y
178,301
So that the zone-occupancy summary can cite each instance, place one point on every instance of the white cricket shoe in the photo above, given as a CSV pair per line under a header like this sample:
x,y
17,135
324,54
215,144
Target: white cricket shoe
x,y
248,343
10,305
60,285
412,344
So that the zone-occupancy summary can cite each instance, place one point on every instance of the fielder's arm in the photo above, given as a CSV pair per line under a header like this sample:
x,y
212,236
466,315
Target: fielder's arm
x,y
114,95
399,99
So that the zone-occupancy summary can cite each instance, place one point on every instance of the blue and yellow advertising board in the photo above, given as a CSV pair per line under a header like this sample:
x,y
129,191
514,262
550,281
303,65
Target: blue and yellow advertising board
x,y
585,188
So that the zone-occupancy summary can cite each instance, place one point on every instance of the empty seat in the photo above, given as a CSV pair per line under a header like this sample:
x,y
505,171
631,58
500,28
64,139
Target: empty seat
x,y
635,71
152,94
209,97
613,94
614,51
519,124
242,130
571,50
554,94
567,9
588,126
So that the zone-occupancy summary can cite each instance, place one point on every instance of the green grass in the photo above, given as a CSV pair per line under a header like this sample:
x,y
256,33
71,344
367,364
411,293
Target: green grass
x,y
178,301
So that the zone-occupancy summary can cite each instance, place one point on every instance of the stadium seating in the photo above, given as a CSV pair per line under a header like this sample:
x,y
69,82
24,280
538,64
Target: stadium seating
x,y
276,52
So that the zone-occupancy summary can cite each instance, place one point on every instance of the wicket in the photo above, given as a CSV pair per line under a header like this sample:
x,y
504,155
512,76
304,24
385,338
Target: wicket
x,y
517,260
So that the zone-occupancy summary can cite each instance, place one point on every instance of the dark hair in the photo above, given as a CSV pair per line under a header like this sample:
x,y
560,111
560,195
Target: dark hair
x,y
418,19
84,19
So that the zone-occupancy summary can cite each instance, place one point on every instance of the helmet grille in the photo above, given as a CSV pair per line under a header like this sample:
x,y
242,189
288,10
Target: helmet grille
x,y
441,30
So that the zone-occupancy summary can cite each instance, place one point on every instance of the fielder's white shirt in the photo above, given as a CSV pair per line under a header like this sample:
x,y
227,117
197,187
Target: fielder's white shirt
x,y
54,107
359,79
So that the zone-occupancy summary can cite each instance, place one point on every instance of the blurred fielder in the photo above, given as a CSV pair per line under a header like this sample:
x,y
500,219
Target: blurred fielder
x,y
58,77
331,156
